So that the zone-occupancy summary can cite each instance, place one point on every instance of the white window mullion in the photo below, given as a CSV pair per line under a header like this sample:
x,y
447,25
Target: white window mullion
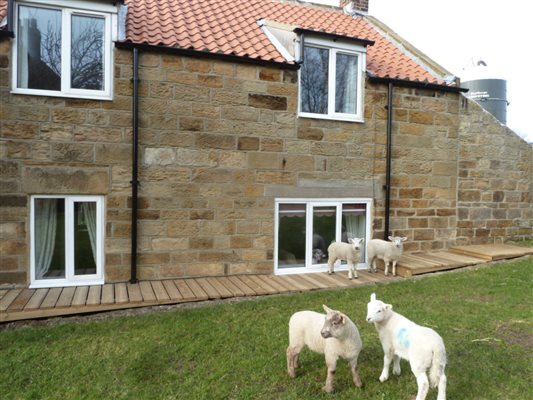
x,y
69,239
65,50
309,234
331,81
338,223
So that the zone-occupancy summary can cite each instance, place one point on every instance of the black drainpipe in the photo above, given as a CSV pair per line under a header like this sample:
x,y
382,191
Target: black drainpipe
x,y
389,163
135,154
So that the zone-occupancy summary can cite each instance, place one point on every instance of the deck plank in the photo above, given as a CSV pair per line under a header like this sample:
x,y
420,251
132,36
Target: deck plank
x,y
80,296
51,298
160,291
65,299
492,252
278,284
232,287
108,293
252,284
334,282
199,293
172,290
247,290
147,292
318,281
219,286
6,301
121,293
94,296
36,299
264,283
21,300
134,293
212,293
3,292
295,285
185,290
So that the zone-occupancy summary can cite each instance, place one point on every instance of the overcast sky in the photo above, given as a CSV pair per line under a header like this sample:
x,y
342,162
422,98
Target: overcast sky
x,y
453,32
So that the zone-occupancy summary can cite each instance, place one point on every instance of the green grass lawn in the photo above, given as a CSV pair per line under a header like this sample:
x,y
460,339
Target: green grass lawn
x,y
237,350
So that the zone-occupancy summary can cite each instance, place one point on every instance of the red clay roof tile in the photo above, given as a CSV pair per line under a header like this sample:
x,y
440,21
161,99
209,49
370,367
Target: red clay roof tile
x,y
230,27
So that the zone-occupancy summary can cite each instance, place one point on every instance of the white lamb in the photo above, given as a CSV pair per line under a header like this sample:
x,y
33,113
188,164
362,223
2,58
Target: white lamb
x,y
349,252
402,338
386,251
333,334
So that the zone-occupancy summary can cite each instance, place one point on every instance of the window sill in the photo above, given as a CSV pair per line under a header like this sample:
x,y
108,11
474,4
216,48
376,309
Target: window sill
x,y
332,117
46,93
65,283
316,269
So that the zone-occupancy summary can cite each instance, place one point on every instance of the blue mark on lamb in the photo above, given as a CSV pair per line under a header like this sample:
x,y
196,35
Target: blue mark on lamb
x,y
403,338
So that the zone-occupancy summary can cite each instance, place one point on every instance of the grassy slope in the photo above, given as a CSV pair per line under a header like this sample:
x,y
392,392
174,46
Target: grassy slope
x,y
237,351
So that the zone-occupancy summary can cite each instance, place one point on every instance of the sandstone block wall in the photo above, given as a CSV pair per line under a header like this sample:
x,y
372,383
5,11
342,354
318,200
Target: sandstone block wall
x,y
220,140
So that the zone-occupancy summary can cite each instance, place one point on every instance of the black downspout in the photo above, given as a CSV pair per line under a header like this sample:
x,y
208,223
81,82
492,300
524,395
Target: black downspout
x,y
389,162
134,180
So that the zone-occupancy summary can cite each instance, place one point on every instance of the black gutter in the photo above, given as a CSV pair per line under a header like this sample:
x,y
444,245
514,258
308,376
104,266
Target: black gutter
x,y
204,54
134,174
388,171
416,84
334,36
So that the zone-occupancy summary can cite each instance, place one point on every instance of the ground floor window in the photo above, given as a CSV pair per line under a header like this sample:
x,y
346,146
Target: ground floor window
x,y
305,228
67,237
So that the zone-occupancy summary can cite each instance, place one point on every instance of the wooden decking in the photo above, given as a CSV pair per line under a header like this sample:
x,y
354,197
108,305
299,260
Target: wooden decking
x,y
21,304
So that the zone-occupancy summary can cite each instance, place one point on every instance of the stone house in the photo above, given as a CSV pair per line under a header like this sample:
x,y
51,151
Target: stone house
x,y
149,140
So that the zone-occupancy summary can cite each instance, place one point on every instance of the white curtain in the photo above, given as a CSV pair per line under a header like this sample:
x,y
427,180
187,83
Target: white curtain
x,y
89,213
22,50
355,227
346,85
45,235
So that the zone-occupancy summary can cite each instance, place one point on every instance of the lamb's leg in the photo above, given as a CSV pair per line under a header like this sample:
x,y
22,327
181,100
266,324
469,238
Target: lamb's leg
x,y
331,363
423,385
373,265
352,272
442,387
331,262
387,358
292,360
386,267
355,373
394,268
396,370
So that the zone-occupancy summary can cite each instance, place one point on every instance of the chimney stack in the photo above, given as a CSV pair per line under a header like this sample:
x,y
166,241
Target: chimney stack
x,y
355,6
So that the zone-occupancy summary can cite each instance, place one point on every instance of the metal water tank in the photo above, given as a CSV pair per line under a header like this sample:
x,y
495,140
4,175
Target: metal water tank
x,y
486,88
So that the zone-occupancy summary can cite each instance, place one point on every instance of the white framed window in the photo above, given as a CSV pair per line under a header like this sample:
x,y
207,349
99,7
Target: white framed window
x,y
63,48
304,228
332,80
67,241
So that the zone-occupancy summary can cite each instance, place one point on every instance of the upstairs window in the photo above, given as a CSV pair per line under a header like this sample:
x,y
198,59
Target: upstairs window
x,y
62,51
331,80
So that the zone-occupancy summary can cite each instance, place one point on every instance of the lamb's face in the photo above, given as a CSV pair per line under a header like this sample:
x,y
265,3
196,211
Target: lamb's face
x,y
377,310
397,241
356,243
333,324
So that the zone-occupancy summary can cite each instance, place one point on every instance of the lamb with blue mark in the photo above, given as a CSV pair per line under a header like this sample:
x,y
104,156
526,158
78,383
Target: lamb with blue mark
x,y
402,338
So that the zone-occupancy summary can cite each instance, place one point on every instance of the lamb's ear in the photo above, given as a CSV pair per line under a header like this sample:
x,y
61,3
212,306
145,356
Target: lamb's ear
x,y
388,306
391,238
343,318
373,297
327,309
404,239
